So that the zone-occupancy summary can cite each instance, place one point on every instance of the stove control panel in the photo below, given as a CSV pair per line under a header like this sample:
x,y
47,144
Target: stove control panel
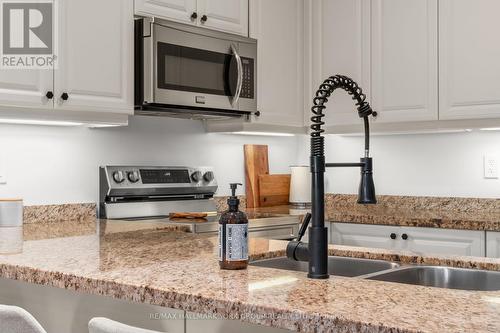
x,y
146,176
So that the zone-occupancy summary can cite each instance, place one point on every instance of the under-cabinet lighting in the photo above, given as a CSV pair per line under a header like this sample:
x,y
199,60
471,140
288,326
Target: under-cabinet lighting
x,y
490,129
39,122
263,133
104,125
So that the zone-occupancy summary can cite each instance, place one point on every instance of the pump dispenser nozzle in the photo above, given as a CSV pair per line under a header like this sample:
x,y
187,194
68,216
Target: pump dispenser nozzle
x,y
233,201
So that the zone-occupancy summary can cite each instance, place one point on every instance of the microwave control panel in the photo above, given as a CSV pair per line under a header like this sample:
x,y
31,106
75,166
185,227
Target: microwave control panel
x,y
247,89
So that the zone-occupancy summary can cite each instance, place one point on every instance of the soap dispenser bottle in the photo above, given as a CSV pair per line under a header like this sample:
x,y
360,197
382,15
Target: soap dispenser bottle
x,y
233,235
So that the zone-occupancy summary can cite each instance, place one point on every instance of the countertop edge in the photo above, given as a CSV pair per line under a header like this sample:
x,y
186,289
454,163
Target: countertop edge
x,y
246,312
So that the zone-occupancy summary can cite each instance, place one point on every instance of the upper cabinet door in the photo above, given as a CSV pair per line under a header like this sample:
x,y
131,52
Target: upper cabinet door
x,y
95,56
224,15
176,10
277,26
338,43
404,60
26,88
469,54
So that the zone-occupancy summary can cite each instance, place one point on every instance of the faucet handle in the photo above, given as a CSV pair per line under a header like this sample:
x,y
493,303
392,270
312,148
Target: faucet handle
x,y
303,227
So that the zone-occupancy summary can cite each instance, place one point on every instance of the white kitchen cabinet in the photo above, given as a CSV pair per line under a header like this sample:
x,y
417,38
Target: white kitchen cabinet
x,y
95,60
493,244
444,241
175,10
224,15
338,43
469,53
278,27
404,59
94,68
26,88
74,309
389,47
365,235
415,239
197,323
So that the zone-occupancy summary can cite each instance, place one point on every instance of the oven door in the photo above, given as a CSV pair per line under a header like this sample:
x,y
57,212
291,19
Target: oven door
x,y
196,70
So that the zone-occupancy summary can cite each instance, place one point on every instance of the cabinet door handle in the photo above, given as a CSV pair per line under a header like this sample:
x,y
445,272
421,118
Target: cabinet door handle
x,y
404,236
393,236
204,18
64,96
49,94
194,16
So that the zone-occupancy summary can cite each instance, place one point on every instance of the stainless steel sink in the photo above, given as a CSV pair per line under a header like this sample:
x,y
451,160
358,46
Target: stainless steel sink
x,y
442,277
339,266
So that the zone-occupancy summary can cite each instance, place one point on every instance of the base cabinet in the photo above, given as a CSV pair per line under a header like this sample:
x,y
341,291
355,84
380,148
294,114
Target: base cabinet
x,y
444,241
59,310
364,235
493,244
414,239
196,323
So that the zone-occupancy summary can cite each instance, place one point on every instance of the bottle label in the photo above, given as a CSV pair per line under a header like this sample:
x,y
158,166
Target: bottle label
x,y
220,250
236,242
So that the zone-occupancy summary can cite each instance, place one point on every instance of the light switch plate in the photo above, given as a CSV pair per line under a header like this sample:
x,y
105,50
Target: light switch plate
x,y
490,166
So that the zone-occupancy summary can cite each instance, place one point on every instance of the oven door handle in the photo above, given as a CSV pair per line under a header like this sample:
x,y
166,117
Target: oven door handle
x,y
239,83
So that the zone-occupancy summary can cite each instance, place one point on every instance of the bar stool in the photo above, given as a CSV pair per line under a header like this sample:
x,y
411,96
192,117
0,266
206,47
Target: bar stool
x,y
17,320
105,325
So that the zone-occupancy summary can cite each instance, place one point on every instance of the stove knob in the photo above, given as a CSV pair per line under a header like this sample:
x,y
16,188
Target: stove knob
x,y
118,176
196,176
208,176
133,176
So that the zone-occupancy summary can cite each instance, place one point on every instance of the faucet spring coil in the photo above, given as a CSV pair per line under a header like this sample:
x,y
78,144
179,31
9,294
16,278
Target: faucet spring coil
x,y
322,94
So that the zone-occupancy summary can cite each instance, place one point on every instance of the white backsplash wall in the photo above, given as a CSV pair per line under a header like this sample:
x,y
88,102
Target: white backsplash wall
x,y
53,165
419,165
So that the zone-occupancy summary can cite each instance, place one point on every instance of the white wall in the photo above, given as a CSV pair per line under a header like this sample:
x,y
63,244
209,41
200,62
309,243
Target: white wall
x,y
46,165
421,165
51,165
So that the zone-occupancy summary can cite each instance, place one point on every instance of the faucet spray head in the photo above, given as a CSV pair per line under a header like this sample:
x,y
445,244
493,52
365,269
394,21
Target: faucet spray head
x,y
366,193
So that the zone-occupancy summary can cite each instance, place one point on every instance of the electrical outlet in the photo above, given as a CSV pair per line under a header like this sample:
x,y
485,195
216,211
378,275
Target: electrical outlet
x,y
490,166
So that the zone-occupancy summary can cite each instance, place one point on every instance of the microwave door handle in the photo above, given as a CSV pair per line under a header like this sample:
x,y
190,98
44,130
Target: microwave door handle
x,y
239,84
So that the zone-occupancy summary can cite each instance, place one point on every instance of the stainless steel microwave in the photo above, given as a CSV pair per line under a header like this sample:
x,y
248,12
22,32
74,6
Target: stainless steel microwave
x,y
193,72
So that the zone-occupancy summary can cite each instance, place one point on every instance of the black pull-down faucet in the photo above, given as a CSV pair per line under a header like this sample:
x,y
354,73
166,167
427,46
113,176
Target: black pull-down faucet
x,y
316,251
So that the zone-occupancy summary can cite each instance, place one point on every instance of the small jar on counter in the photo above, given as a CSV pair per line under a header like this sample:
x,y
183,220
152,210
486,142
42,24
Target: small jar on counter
x,y
11,226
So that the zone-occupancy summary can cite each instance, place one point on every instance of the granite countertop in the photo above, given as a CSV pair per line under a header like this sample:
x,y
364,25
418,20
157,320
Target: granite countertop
x,y
448,213
128,260
416,218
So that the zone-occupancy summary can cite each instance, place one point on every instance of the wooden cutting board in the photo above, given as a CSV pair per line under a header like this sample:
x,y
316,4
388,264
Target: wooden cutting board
x,y
256,163
274,190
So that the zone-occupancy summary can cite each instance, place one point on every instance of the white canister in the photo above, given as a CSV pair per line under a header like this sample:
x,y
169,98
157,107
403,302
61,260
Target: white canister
x,y
11,212
11,240
300,186
11,226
